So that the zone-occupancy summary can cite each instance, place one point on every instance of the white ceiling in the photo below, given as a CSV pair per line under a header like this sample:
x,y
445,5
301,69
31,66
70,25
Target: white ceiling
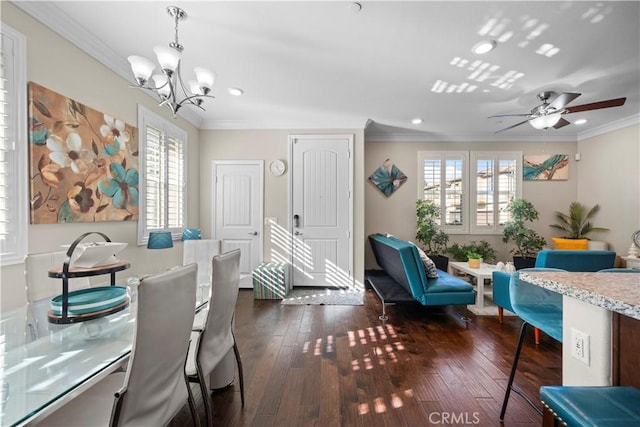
x,y
321,65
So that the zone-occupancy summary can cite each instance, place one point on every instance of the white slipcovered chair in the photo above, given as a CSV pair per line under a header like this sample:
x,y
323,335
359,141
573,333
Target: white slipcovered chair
x,y
39,284
154,387
211,342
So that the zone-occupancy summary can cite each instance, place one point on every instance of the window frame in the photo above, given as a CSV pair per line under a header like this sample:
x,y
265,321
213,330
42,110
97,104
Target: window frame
x,y
168,130
469,186
18,143
495,157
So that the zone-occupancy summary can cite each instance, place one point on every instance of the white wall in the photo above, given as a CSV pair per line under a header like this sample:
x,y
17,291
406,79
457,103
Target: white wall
x,y
397,215
268,145
609,175
60,66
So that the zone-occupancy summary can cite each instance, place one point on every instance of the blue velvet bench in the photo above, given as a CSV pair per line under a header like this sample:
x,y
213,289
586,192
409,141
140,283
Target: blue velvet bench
x,y
590,406
402,278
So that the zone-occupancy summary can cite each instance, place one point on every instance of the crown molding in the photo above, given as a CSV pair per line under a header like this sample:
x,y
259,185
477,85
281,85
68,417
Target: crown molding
x,y
51,16
271,124
610,127
427,137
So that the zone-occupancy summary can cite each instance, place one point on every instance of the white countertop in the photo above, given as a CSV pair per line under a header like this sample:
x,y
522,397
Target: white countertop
x,y
618,292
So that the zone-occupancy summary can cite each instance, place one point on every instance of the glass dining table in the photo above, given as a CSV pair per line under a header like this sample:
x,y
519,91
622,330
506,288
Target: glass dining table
x,y
43,365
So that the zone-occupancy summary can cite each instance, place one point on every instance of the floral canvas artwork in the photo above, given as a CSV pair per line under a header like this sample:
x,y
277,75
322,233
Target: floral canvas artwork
x,y
388,178
546,167
83,163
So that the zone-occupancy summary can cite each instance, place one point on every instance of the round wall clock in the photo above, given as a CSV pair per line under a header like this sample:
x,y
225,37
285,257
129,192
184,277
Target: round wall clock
x,y
277,167
636,238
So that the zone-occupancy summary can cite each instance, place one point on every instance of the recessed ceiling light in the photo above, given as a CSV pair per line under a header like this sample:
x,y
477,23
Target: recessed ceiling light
x,y
580,122
355,7
235,91
483,47
416,121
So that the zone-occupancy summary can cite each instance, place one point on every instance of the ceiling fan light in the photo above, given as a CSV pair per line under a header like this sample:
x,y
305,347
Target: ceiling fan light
x,y
483,47
142,68
167,58
545,122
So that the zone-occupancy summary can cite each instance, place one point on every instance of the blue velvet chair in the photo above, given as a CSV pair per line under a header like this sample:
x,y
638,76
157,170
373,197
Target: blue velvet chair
x,y
539,308
569,260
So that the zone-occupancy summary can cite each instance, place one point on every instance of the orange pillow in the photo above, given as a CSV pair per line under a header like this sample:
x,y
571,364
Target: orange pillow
x,y
573,244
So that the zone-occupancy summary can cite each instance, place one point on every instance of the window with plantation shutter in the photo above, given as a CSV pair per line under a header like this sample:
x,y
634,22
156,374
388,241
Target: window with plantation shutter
x,y
472,188
13,148
162,163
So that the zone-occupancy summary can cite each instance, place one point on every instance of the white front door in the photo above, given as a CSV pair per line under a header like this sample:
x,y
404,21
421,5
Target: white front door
x,y
237,207
321,210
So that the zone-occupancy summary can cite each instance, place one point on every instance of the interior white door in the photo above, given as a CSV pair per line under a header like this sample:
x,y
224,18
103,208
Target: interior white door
x,y
238,211
321,206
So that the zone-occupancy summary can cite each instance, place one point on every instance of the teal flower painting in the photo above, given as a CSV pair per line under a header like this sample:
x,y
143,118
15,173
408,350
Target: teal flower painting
x,y
388,178
83,163
546,167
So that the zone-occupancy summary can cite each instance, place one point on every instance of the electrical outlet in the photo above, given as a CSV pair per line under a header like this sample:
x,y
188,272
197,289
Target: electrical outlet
x,y
580,345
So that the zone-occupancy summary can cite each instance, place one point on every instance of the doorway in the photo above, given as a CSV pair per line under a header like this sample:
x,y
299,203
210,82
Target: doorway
x,y
320,221
238,211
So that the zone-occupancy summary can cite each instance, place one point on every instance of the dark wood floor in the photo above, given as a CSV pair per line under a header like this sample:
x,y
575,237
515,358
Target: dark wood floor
x,y
341,366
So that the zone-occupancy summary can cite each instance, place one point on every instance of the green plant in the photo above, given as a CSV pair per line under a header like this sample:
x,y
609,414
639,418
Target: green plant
x,y
473,255
482,248
528,242
577,224
428,231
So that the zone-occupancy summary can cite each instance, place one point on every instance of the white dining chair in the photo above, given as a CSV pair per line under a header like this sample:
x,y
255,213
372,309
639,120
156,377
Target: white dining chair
x,y
154,387
39,284
211,342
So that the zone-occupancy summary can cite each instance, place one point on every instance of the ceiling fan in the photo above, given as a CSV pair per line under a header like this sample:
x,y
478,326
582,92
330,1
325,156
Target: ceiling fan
x,y
549,113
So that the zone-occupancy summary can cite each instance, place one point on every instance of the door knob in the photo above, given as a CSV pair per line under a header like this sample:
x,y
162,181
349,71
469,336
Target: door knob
x,y
297,233
255,233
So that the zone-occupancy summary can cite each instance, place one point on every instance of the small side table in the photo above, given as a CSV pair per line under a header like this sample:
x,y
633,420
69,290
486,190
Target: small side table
x,y
633,263
485,272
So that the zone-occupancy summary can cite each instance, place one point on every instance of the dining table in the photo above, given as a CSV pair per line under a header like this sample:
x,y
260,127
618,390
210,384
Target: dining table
x,y
45,365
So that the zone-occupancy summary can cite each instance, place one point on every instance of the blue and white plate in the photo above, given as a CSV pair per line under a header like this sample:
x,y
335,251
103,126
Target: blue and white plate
x,y
90,300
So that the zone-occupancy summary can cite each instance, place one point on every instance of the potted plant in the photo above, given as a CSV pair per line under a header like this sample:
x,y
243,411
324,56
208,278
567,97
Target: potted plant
x,y
433,239
528,242
474,259
482,248
576,225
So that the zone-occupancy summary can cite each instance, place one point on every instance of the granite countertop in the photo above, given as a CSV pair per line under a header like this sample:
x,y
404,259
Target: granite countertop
x,y
619,292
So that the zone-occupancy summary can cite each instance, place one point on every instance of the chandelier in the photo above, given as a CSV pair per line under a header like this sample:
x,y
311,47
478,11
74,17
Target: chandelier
x,y
169,86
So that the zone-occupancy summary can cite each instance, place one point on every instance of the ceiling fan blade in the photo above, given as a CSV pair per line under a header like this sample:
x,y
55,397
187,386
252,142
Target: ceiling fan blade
x,y
596,105
561,123
512,126
511,115
563,99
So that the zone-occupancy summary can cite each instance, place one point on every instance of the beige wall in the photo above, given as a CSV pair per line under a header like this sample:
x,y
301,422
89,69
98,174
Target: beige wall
x,y
268,145
609,175
396,214
58,65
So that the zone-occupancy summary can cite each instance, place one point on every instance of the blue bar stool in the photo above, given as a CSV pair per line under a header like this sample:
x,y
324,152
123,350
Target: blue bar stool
x,y
539,308
590,406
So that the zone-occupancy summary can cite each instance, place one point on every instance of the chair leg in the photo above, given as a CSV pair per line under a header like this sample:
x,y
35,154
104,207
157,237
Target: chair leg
x,y
500,314
192,403
513,370
240,373
205,396
536,334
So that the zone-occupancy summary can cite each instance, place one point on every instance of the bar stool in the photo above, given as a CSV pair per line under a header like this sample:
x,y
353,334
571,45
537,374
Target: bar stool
x,y
539,308
590,406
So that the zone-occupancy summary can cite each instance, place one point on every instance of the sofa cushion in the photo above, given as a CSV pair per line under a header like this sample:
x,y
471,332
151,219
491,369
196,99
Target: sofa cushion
x,y
447,283
430,269
576,260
